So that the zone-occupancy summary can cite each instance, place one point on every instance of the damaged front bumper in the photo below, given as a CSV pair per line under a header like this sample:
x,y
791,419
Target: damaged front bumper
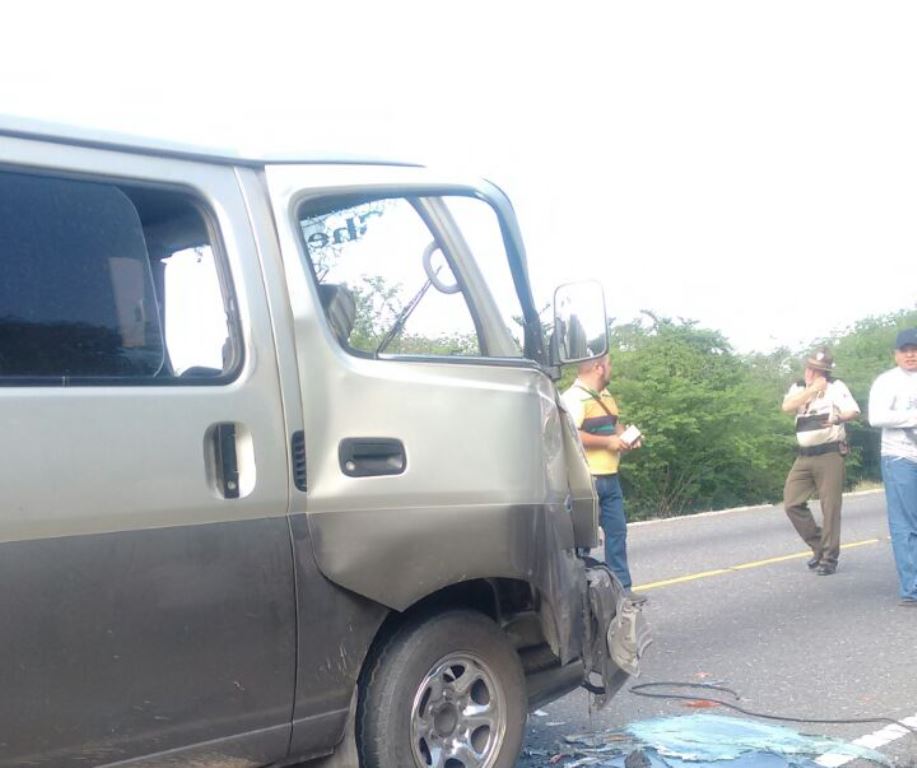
x,y
616,634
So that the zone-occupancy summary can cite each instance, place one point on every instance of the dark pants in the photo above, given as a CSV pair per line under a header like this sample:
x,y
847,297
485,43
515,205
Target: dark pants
x,y
824,474
614,524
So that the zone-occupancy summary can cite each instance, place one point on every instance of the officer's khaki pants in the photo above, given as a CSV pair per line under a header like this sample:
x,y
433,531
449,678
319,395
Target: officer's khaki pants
x,y
824,474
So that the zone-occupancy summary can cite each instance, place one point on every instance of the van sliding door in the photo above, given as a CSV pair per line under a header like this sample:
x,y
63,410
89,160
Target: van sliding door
x,y
145,551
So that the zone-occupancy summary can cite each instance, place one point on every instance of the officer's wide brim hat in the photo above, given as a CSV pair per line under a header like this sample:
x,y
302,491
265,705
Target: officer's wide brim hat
x,y
906,338
820,361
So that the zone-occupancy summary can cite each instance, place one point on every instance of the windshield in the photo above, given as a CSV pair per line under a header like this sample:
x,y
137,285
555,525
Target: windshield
x,y
414,276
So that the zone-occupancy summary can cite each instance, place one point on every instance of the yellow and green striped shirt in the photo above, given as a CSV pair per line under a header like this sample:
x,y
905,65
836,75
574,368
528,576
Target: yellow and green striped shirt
x,y
588,416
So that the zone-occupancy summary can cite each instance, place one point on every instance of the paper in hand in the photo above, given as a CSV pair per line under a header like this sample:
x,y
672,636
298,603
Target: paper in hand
x,y
630,435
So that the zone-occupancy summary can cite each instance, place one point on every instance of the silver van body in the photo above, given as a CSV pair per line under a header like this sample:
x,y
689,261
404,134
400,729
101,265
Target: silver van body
x,y
208,541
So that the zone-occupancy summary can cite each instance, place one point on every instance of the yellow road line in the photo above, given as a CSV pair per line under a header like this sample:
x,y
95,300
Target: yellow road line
x,y
682,579
743,567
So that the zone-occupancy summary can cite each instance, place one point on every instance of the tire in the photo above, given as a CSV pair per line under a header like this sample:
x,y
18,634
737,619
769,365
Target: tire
x,y
445,691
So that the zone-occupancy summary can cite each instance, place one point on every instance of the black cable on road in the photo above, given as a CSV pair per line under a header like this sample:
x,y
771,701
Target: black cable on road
x,y
640,690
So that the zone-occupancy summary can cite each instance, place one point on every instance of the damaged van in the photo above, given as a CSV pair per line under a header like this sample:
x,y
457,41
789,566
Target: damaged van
x,y
285,475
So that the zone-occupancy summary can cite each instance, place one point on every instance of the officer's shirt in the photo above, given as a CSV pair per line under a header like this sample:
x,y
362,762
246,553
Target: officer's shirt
x,y
812,426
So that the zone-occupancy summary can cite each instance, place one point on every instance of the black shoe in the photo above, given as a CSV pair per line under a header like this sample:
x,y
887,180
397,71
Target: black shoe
x,y
635,597
826,569
812,564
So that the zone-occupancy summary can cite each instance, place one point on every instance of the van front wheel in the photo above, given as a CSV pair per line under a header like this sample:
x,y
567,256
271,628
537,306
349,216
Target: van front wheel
x,y
445,692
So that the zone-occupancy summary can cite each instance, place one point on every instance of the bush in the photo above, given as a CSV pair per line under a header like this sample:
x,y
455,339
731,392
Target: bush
x,y
715,434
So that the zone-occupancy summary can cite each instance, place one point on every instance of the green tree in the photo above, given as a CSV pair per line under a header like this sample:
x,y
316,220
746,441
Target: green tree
x,y
715,434
861,353
378,305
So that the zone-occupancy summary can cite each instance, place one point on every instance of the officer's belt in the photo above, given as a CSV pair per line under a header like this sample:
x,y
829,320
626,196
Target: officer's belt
x,y
818,450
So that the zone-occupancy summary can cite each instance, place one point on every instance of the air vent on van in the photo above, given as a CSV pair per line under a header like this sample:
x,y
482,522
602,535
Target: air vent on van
x,y
299,459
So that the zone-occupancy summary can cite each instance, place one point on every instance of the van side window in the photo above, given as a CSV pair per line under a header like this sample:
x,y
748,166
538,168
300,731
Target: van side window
x,y
107,283
392,277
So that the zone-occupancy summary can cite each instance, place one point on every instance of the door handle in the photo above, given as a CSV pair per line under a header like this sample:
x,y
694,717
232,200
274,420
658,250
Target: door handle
x,y
229,460
371,456
227,464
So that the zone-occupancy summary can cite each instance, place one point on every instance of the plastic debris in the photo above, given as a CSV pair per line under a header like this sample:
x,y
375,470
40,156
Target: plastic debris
x,y
701,741
701,738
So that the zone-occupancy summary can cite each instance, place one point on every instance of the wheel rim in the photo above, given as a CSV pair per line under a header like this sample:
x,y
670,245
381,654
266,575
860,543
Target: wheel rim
x,y
458,719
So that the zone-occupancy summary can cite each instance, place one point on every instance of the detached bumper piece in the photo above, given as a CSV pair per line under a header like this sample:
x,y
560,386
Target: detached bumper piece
x,y
617,634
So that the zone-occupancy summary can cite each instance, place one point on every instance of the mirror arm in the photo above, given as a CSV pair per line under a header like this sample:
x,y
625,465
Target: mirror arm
x,y
534,346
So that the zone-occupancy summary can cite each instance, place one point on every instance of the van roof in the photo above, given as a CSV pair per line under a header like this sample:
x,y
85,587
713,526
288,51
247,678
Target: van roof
x,y
23,127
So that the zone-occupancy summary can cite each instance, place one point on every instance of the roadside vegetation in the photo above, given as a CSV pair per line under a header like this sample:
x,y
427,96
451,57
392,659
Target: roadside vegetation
x,y
715,435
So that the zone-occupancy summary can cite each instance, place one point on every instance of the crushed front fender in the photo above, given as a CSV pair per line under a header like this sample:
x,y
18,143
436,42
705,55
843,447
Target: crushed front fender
x,y
617,634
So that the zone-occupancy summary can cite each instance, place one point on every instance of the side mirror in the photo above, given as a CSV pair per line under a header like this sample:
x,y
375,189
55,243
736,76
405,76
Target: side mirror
x,y
580,325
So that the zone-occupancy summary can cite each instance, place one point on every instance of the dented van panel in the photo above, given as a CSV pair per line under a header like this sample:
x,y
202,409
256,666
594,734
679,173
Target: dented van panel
x,y
244,462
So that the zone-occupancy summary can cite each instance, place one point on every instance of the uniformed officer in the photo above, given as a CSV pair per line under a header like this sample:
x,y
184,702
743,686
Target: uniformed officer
x,y
822,404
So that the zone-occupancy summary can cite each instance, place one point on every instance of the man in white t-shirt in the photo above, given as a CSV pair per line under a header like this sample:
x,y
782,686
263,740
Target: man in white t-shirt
x,y
893,406
822,404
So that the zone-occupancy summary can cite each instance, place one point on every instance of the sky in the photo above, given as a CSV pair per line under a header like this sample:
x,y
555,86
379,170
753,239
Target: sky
x,y
749,165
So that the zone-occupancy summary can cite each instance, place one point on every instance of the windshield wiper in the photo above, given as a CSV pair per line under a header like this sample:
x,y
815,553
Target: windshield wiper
x,y
403,317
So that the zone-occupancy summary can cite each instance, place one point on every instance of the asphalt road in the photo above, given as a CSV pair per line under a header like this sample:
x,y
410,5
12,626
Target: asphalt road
x,y
731,601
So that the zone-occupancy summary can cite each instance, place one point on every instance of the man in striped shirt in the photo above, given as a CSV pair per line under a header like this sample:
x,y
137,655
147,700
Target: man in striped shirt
x,y
595,414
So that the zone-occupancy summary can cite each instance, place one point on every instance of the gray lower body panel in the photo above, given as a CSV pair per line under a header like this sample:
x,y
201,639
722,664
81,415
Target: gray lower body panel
x,y
336,629
121,645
